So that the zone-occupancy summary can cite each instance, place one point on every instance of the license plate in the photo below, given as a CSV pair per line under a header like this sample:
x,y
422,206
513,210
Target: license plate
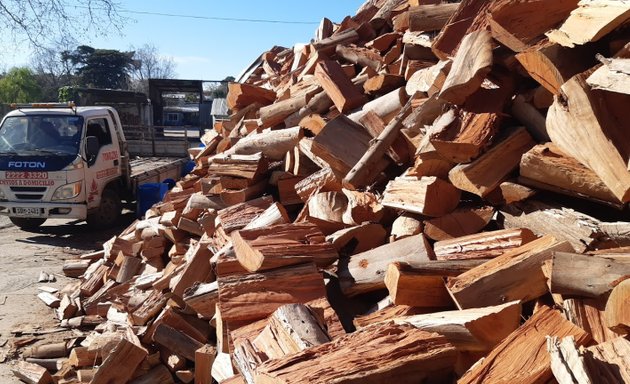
x,y
28,211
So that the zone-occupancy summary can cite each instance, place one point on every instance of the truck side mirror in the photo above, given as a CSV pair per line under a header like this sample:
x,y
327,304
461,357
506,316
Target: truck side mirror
x,y
91,148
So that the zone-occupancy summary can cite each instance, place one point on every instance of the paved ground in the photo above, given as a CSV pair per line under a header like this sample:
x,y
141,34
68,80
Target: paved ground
x,y
23,255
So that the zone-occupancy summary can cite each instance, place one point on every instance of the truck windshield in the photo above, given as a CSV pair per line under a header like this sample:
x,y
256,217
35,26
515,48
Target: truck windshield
x,y
58,134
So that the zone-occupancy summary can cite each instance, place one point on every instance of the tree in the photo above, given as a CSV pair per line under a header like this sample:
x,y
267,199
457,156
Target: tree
x,y
100,68
41,21
220,89
19,85
51,71
149,64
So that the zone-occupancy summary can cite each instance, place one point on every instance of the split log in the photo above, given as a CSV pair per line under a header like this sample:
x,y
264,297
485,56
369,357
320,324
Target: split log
x,y
75,268
202,298
506,363
361,56
428,196
177,341
274,114
120,365
360,238
404,226
432,17
49,299
589,314
345,95
421,284
273,145
461,222
530,117
582,231
251,167
245,298
475,329
617,313
365,272
567,364
484,245
608,362
323,180
158,374
594,135
546,167
591,21
32,373
239,215
405,354
383,83
327,46
204,358
521,25
242,95
613,76
515,275
197,269
386,106
509,192
471,64
282,245
489,170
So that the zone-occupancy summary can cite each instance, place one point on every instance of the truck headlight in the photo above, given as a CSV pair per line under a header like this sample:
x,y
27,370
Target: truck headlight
x,y
67,191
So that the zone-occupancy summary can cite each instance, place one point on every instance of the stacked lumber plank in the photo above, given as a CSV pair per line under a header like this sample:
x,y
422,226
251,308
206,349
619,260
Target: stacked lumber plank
x,y
367,214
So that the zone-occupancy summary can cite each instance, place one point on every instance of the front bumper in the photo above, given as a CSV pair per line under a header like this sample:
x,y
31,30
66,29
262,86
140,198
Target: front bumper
x,y
44,210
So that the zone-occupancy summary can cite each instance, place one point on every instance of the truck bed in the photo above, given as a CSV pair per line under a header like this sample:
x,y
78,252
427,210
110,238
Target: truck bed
x,y
155,169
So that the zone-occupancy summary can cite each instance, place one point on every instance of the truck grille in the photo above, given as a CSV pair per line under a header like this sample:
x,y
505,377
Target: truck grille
x,y
29,193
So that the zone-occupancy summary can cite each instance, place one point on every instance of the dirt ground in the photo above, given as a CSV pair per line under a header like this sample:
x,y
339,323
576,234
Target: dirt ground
x,y
23,255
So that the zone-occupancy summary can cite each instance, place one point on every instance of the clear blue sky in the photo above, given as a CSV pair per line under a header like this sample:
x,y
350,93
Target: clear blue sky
x,y
213,49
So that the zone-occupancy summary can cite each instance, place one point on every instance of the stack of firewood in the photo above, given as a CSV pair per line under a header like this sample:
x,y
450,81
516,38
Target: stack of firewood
x,y
367,214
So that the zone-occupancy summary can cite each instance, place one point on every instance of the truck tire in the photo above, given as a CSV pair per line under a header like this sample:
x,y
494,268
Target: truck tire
x,y
27,223
108,212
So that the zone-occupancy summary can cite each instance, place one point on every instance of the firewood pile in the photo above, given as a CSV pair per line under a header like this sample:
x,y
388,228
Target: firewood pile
x,y
421,194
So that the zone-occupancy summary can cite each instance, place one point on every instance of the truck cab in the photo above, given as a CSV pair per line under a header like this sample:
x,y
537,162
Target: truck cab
x,y
61,161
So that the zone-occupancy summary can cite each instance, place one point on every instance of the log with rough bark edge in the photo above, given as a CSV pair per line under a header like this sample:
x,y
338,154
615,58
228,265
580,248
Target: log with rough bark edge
x,y
471,64
613,76
609,362
582,231
345,95
429,79
515,275
428,196
399,152
475,329
323,180
520,25
273,144
358,239
433,17
365,271
120,364
95,281
242,95
361,56
325,210
177,341
567,363
246,298
388,312
275,113
405,355
588,314
594,134
585,276
547,167
362,207
238,216
368,167
591,21
490,169
551,64
461,222
250,167
158,374
327,46
290,329
383,83
32,373
421,284
341,144
484,245
521,357
204,357
617,313
202,298
282,245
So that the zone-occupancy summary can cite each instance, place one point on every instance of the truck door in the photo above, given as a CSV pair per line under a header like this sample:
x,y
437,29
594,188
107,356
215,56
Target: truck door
x,y
106,165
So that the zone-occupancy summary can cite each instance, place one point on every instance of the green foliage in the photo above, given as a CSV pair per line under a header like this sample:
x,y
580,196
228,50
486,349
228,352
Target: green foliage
x,y
67,94
100,68
221,89
19,85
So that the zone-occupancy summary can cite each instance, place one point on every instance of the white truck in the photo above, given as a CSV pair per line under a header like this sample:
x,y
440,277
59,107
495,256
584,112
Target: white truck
x,y
61,161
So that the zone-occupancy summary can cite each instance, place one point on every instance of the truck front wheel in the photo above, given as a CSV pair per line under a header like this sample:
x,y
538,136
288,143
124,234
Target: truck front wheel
x,y
107,213
26,223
